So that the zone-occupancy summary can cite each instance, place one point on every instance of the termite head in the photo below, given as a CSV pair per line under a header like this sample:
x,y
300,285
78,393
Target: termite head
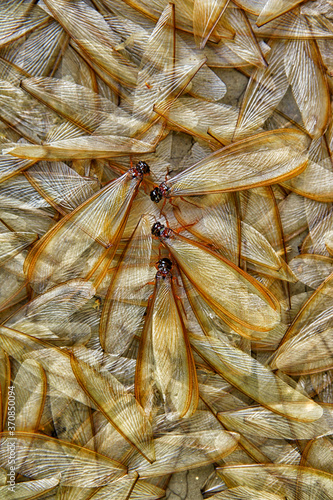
x,y
164,263
164,267
159,192
160,230
157,229
140,169
156,195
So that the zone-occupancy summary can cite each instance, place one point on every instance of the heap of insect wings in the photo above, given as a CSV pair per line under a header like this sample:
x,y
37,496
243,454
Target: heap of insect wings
x,y
166,248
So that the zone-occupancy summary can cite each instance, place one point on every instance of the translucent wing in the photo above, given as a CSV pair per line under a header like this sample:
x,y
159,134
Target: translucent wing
x,y
10,166
90,31
318,454
294,25
18,20
254,379
119,490
308,83
90,147
312,269
274,8
281,479
50,316
252,6
223,284
61,186
165,361
260,422
206,84
258,161
163,75
68,417
30,392
145,490
124,305
220,226
243,43
12,274
292,215
39,53
307,183
27,490
320,220
96,433
152,10
318,307
205,16
195,117
17,194
124,489
92,228
307,346
12,243
26,115
46,456
264,91
177,451
215,319
4,385
117,405
79,104
23,210
55,362
245,493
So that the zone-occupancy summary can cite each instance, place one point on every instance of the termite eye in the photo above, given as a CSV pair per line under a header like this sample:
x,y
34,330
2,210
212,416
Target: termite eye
x,y
157,229
156,195
143,167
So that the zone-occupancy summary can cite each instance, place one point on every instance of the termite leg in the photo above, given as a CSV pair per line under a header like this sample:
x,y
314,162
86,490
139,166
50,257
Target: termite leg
x,y
187,201
163,213
184,228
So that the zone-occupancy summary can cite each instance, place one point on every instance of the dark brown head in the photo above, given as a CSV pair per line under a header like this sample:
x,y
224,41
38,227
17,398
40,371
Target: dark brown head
x,y
143,167
162,191
164,263
140,169
161,231
156,195
164,267
157,229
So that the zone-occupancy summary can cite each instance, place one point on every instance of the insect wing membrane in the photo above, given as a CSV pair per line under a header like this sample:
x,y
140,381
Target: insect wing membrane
x,y
261,160
76,245
206,14
43,453
91,32
124,304
117,405
220,282
165,357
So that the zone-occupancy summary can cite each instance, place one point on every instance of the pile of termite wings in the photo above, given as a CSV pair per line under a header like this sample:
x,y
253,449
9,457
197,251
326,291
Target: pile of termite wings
x,y
166,248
